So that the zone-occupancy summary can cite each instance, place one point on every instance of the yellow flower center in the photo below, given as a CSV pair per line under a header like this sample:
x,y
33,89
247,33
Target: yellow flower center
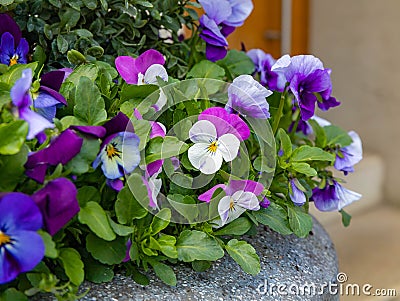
x,y
232,205
112,151
14,60
4,239
213,146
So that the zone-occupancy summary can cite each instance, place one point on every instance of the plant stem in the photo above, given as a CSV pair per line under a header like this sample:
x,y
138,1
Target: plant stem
x,y
279,114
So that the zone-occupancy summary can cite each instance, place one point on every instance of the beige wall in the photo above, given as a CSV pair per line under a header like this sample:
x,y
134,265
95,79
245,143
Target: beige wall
x,y
360,41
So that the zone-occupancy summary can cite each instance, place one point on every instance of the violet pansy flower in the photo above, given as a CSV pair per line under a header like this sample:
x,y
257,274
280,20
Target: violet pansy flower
x,y
7,24
333,197
21,247
296,194
216,43
263,63
241,195
248,97
215,139
61,150
58,203
13,49
350,155
21,98
307,76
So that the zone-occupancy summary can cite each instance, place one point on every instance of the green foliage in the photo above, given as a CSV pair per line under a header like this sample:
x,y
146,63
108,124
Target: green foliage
x,y
245,255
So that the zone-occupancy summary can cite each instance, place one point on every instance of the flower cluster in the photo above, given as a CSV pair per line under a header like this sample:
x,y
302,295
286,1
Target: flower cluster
x,y
127,162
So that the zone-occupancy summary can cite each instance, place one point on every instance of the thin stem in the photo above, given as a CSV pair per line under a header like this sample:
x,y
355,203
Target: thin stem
x,y
279,114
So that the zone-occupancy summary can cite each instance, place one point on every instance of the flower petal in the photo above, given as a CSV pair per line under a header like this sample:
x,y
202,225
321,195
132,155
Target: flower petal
x,y
37,123
245,185
130,151
219,10
22,51
148,58
228,146
207,196
297,196
346,197
7,24
127,69
246,199
241,9
154,71
203,131
205,161
20,91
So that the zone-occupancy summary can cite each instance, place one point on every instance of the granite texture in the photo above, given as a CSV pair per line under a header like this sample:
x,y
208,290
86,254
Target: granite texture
x,y
288,261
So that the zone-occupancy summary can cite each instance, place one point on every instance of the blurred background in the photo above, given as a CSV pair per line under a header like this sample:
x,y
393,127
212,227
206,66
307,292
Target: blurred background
x,y
360,41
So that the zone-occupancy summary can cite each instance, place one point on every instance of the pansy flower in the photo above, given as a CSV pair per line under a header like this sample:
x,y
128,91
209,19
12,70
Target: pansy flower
x,y
13,48
21,98
333,197
307,77
297,196
263,63
21,247
216,137
241,195
350,155
248,97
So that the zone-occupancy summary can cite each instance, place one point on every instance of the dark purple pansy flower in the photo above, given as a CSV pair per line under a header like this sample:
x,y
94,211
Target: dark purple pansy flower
x,y
216,43
7,24
21,247
333,197
263,63
48,98
296,195
58,203
13,49
350,155
265,202
21,98
307,76
248,97
61,150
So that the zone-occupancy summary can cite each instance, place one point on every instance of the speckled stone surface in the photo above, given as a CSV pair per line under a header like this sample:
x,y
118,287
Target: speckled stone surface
x,y
290,265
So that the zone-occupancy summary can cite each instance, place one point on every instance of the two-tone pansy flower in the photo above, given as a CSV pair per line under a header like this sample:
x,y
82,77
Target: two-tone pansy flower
x,y
307,78
21,247
347,157
248,97
13,49
144,70
333,197
216,138
241,195
296,193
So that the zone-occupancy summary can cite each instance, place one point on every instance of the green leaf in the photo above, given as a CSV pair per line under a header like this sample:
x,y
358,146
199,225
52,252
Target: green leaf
x,y
245,255
76,58
107,252
119,229
185,205
337,136
164,272
346,218
97,272
11,294
90,4
160,221
11,144
62,44
130,92
88,194
89,105
14,73
69,18
319,132
310,153
167,245
50,246
127,208
300,222
82,162
237,63
238,227
263,164
201,265
12,169
285,143
94,216
206,69
90,71
274,217
197,245
73,265
142,130
162,148
139,277
304,168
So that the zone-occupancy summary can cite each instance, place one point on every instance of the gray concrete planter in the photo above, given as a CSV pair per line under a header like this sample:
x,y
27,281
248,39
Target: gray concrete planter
x,y
291,267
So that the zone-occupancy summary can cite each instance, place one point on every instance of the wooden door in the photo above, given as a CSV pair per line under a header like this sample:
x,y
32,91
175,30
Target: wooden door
x,y
263,29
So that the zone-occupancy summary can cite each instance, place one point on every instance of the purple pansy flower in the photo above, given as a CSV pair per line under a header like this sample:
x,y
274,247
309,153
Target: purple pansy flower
x,y
265,202
61,150
307,76
248,97
216,137
21,248
48,99
13,49
21,98
333,197
144,70
58,203
350,155
216,43
263,63
296,194
240,195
